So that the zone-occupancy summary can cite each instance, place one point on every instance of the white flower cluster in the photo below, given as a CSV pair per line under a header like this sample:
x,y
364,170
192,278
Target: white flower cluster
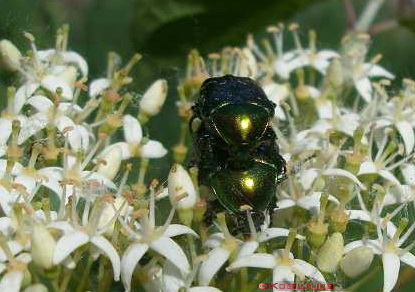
x,y
73,219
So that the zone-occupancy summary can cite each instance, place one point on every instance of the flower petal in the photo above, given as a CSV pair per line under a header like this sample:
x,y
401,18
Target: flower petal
x,y
22,94
285,203
67,244
364,87
360,215
217,258
407,133
132,130
312,202
247,248
373,70
79,138
98,85
108,249
6,226
204,289
391,265
153,149
123,146
5,130
33,125
283,274
309,270
172,277
172,251
408,259
307,178
40,103
75,58
344,173
257,260
274,232
52,83
386,174
178,229
27,181
129,261
14,247
398,194
373,244
214,240
12,281
367,167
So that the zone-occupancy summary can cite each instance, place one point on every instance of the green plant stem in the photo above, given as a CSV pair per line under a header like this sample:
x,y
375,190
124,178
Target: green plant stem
x,y
85,275
192,247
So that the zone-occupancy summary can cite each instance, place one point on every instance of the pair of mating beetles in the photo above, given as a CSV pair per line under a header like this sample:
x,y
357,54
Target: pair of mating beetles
x,y
235,147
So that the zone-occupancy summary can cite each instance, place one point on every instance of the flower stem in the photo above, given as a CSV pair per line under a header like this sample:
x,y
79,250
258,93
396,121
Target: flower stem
x,y
85,275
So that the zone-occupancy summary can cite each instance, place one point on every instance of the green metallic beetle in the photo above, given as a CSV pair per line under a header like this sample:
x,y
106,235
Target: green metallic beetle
x,y
235,146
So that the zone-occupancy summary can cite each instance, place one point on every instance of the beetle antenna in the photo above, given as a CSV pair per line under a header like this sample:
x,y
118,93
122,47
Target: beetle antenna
x,y
295,169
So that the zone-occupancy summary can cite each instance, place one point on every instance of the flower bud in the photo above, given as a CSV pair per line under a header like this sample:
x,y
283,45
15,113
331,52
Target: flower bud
x,y
316,232
112,163
339,220
43,246
36,288
335,73
9,56
330,254
182,192
109,211
356,261
153,149
181,189
154,98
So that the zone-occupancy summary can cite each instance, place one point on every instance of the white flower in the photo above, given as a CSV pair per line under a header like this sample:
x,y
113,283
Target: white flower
x,y
285,267
15,263
384,162
283,264
306,197
299,58
356,69
341,120
389,247
149,236
174,280
76,234
72,178
398,113
59,116
55,58
133,135
374,215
